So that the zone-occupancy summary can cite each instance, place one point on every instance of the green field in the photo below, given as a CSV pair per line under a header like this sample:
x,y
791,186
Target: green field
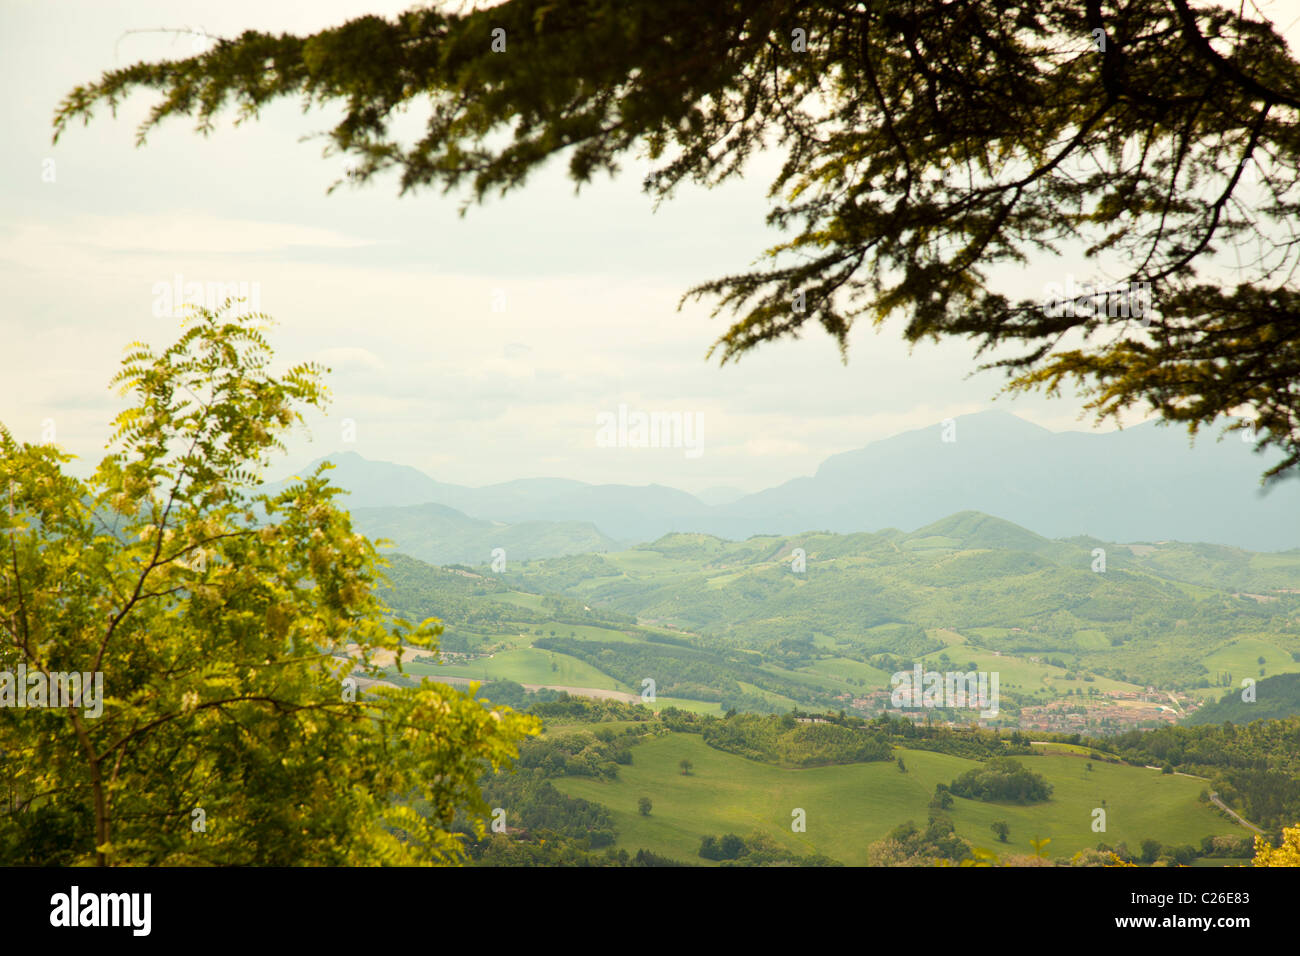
x,y
1052,747
850,806
839,668
1241,659
694,706
524,665
1015,673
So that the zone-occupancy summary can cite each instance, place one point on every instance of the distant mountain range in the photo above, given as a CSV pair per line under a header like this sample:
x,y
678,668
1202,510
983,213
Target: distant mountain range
x,y
1144,483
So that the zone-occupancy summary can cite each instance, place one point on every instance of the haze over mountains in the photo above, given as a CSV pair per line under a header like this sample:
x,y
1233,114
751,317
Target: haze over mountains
x,y
1144,483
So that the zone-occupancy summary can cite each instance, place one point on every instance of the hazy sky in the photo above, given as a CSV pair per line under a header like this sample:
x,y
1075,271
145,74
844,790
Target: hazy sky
x,y
398,295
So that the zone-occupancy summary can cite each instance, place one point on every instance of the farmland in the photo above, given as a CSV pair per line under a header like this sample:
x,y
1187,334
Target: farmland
x,y
849,807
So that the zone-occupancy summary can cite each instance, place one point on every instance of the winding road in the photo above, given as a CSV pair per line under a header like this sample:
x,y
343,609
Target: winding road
x,y
1214,798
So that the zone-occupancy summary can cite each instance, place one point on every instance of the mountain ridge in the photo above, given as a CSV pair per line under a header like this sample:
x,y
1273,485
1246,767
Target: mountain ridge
x,y
1140,484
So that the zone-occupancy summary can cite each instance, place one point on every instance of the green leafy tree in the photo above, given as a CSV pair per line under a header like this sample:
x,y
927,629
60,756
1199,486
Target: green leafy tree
x,y
923,145
728,847
731,846
685,766
229,730
644,805
1183,855
1002,778
1001,829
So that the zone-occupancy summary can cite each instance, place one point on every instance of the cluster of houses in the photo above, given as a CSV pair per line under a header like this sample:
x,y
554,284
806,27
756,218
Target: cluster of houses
x,y
1111,712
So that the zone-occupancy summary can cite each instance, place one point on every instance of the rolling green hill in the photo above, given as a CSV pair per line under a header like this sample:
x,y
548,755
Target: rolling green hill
x,y
850,806
1275,698
822,620
1151,615
442,535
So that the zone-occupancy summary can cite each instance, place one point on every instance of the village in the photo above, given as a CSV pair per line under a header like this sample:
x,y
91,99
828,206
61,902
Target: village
x,y
1111,712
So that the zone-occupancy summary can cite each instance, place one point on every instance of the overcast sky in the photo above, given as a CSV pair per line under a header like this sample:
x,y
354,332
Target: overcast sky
x,y
397,295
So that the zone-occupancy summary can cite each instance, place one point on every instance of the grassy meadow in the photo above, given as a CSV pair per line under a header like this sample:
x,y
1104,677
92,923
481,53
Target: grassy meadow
x,y
850,806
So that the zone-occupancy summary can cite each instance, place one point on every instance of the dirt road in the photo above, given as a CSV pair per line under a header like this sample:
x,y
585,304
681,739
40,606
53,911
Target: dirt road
x,y
1214,798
